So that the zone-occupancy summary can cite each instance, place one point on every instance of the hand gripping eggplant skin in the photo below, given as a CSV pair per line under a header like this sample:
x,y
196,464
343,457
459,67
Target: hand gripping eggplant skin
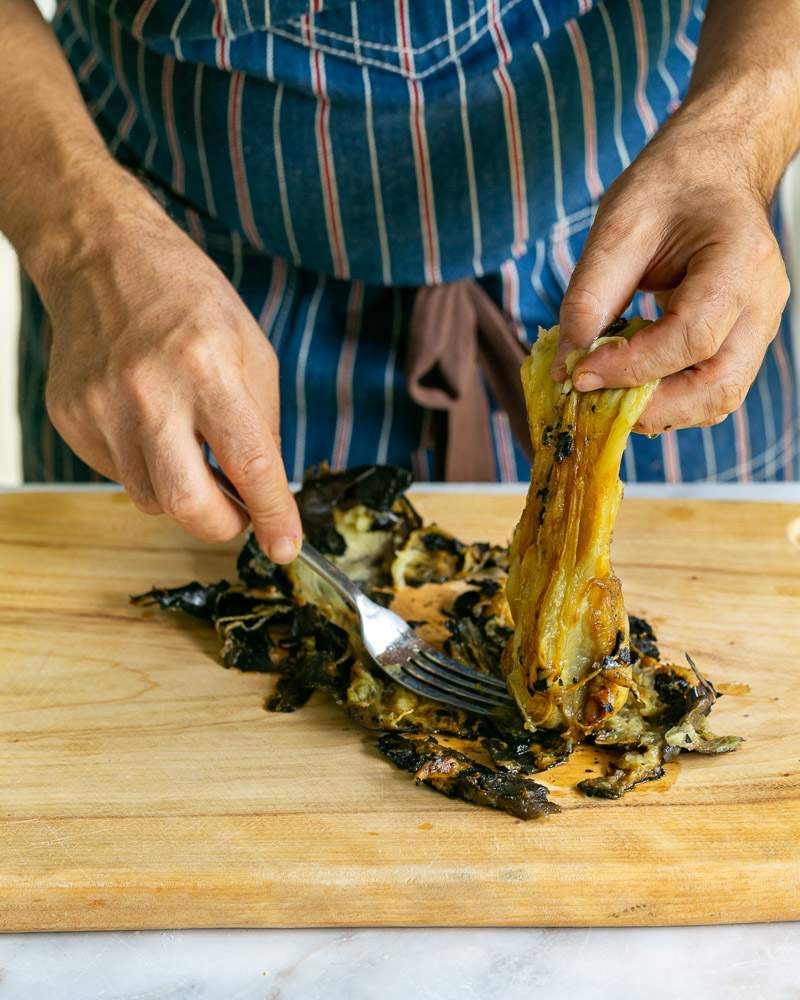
x,y
568,664
614,693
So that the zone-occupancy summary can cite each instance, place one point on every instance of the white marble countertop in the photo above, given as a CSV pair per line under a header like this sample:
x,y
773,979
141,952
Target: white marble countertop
x,y
748,961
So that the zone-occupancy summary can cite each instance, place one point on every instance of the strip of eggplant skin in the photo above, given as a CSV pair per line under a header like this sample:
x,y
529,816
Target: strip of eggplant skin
x,y
568,662
195,599
457,776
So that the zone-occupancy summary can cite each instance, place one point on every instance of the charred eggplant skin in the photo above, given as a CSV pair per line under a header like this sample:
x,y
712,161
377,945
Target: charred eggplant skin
x,y
457,776
195,599
376,487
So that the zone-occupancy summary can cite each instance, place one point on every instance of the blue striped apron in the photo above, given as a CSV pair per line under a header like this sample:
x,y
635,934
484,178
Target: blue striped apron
x,y
332,156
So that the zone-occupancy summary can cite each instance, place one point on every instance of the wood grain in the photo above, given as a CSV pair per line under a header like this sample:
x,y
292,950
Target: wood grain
x,y
142,785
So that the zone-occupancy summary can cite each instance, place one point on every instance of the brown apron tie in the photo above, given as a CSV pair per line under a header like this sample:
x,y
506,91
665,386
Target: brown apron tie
x,y
457,338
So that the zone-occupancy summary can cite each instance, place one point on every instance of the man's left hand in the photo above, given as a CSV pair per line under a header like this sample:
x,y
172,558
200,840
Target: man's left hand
x,y
685,221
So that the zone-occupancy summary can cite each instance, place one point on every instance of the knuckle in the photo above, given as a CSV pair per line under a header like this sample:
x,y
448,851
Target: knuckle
x,y
762,245
203,515
58,407
773,329
700,339
140,493
143,499
218,532
201,354
255,465
730,396
581,302
135,378
636,374
183,506
142,392
709,411
612,226
95,400
785,288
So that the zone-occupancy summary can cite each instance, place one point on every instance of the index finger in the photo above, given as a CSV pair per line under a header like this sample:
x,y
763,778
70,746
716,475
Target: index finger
x,y
245,447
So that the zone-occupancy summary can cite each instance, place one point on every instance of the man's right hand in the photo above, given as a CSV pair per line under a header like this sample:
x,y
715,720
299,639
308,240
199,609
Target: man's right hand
x,y
153,350
153,353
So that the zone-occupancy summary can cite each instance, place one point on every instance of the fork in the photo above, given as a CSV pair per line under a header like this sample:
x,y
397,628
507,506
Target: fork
x,y
393,644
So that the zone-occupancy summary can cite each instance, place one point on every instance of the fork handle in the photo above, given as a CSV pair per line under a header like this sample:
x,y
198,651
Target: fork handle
x,y
341,583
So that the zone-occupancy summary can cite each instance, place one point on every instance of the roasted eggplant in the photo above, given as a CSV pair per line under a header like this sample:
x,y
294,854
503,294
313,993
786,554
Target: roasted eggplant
x,y
548,615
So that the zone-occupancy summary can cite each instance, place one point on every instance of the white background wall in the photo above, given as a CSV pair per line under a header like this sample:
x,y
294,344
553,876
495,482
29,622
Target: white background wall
x,y
9,311
9,317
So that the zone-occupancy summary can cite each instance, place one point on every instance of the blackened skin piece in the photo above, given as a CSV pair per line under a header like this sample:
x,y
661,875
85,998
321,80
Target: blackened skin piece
x,y
289,695
376,487
525,752
432,555
320,654
329,639
456,776
238,603
194,598
479,625
565,445
692,731
383,597
615,328
252,642
643,638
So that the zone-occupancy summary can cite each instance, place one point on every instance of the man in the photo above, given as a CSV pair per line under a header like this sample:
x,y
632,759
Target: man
x,y
271,167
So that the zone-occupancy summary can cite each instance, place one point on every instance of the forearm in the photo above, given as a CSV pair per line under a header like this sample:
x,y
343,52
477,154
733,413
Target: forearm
x,y
56,176
746,82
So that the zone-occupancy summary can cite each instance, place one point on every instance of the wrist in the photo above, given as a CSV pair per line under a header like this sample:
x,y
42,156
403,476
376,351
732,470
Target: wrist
x,y
747,122
62,233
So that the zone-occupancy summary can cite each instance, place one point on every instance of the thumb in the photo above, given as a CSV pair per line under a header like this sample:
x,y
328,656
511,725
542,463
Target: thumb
x,y
603,283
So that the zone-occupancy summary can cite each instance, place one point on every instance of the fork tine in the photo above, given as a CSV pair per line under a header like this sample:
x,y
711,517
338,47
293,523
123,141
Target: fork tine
x,y
451,695
434,674
466,673
437,694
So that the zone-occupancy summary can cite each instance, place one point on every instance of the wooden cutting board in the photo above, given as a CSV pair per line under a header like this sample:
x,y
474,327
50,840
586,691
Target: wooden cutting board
x,y
142,785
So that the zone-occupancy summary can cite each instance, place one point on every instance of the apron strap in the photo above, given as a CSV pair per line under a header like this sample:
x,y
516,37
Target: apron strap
x,y
457,338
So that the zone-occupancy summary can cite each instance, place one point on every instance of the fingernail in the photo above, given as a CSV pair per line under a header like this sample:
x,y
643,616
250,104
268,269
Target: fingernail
x,y
283,550
587,381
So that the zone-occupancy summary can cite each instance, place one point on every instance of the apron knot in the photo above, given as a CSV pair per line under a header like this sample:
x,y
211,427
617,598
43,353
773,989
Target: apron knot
x,y
460,342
